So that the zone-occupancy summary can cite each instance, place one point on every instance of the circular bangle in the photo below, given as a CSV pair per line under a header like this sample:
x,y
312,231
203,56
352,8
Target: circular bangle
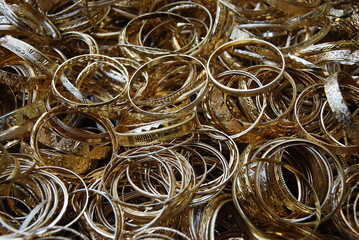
x,y
29,19
322,164
286,37
43,192
215,148
294,7
310,117
266,218
236,116
234,55
168,86
67,90
70,36
98,214
202,20
346,216
340,109
143,31
59,139
140,174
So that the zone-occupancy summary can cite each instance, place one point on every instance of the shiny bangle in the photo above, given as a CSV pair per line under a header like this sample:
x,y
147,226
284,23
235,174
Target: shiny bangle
x,y
57,139
69,16
30,54
160,233
151,88
216,149
158,131
346,216
127,179
340,109
150,25
287,38
97,212
236,116
70,36
266,218
29,19
234,54
203,21
310,117
43,191
20,121
324,165
68,90
294,7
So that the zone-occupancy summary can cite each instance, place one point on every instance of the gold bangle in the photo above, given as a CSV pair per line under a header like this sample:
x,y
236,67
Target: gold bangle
x,y
67,91
234,48
159,131
30,54
20,121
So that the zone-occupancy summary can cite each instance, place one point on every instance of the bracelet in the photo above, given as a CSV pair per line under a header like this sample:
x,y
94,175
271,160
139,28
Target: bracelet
x,y
155,132
221,53
187,76
29,19
30,54
68,92
18,122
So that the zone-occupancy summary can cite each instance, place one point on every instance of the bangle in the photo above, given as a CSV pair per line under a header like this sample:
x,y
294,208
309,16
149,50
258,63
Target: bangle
x,y
168,86
234,55
345,217
294,7
29,19
58,139
68,90
30,54
155,132
163,179
311,116
160,233
96,215
340,109
70,36
20,121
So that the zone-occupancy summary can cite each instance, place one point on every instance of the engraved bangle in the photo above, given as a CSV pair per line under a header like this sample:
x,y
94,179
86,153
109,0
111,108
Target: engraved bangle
x,y
30,54
30,19
61,142
157,131
20,121
156,97
94,62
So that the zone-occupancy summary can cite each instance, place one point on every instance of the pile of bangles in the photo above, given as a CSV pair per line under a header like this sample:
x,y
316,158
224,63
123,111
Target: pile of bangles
x,y
170,119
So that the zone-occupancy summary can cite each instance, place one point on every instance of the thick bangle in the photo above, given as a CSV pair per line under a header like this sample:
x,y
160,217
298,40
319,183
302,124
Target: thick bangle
x,y
30,54
20,121
61,142
155,132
